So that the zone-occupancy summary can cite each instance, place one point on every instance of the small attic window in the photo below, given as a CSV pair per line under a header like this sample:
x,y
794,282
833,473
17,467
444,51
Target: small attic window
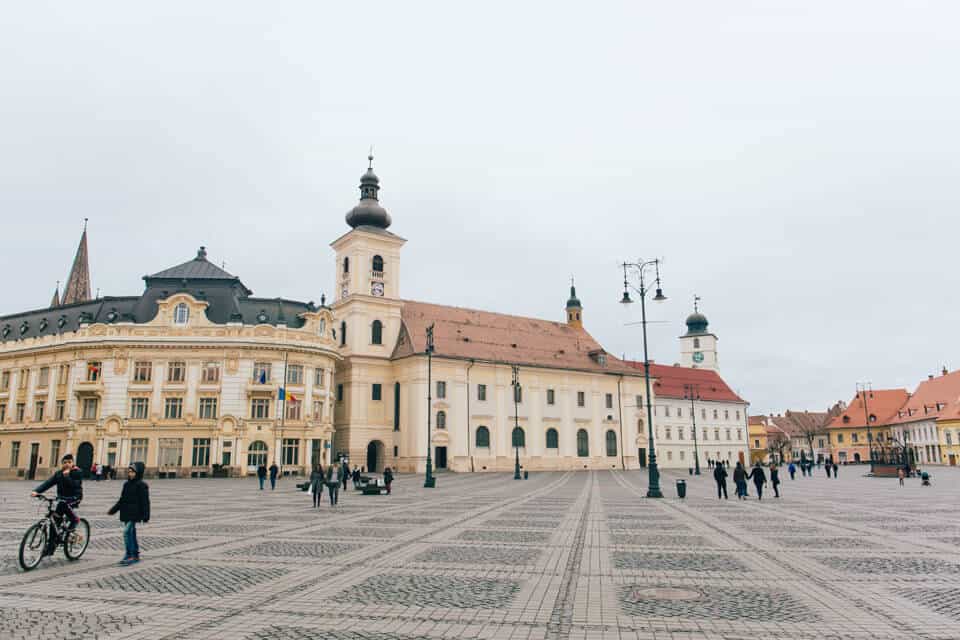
x,y
62,322
43,324
846,419
24,327
466,339
602,359
873,418
513,344
181,314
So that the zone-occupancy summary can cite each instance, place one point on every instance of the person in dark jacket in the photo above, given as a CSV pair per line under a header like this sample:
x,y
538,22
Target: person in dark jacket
x,y
317,481
69,483
274,470
134,507
262,474
355,476
835,469
344,473
775,479
388,478
759,477
720,475
740,480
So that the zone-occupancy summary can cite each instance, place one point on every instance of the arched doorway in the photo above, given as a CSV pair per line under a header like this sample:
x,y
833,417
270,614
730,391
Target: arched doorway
x,y
856,457
84,457
257,453
375,456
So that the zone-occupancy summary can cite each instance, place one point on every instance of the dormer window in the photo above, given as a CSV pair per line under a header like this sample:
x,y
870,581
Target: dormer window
x,y
113,315
846,419
181,314
262,317
62,322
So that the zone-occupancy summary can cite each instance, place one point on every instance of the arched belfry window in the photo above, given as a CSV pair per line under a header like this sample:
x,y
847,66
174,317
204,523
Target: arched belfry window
x,y
346,265
376,332
181,314
378,265
483,438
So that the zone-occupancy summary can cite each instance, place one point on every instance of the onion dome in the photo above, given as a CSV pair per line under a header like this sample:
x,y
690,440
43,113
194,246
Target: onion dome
x,y
369,213
573,301
696,324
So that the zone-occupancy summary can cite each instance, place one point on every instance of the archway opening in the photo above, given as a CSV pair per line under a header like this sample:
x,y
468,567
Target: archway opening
x,y
375,457
84,457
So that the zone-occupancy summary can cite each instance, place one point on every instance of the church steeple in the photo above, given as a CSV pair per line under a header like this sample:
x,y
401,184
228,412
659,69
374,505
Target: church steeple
x,y
574,308
369,213
55,301
77,288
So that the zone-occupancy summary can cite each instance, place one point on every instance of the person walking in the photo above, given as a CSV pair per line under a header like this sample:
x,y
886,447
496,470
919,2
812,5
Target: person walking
x,y
317,481
344,473
261,474
388,478
901,475
720,476
355,476
759,478
835,469
740,481
792,469
827,466
134,507
274,470
775,479
333,482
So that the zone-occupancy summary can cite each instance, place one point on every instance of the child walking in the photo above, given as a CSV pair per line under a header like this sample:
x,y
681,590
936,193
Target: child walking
x,y
134,507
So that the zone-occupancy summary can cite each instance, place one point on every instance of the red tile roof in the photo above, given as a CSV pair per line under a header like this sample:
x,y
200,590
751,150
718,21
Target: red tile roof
x,y
498,337
882,403
930,399
671,380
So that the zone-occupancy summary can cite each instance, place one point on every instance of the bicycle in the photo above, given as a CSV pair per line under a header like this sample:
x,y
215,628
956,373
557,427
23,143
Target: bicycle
x,y
43,538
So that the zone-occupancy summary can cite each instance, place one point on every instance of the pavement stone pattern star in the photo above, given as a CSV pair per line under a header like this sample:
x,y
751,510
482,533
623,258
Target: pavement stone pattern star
x,y
581,555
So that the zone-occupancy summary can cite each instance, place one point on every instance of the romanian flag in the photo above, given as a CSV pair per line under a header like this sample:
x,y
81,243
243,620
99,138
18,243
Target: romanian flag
x,y
93,368
289,397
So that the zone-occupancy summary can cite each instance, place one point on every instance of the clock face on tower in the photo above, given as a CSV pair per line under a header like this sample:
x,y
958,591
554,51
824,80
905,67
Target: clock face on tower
x,y
376,289
697,356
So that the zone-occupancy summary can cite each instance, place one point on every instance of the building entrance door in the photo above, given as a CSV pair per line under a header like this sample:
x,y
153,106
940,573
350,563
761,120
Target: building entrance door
x,y
642,457
85,458
34,454
441,457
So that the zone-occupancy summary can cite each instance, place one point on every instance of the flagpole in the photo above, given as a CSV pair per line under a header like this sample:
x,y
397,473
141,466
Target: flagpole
x,y
283,411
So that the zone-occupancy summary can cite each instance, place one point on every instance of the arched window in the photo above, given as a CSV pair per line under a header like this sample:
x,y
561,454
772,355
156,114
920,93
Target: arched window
x,y
696,343
181,314
343,333
553,439
376,332
611,443
583,443
257,453
483,438
346,265
441,419
519,437
378,264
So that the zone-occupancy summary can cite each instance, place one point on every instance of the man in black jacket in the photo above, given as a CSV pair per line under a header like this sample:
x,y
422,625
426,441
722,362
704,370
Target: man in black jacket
x,y
134,507
274,470
69,482
720,475
759,479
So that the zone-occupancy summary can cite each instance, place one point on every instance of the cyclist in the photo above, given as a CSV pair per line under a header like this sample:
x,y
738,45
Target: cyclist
x,y
69,483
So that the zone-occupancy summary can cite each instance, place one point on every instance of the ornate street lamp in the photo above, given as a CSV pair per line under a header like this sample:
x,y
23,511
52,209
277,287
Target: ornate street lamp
x,y
429,481
516,421
640,268
692,391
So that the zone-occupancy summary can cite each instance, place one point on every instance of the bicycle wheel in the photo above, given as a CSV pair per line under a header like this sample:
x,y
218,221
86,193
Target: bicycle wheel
x,y
77,541
33,547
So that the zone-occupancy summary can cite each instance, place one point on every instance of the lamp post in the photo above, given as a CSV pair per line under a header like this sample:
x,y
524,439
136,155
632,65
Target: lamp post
x,y
862,389
429,481
692,391
653,481
516,421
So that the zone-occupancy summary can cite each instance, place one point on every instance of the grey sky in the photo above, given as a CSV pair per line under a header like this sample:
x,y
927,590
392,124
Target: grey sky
x,y
794,163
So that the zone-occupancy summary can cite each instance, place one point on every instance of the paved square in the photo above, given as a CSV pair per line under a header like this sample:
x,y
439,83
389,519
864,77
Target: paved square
x,y
561,555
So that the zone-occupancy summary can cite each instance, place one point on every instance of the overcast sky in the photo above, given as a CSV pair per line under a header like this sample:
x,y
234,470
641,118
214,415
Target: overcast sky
x,y
794,163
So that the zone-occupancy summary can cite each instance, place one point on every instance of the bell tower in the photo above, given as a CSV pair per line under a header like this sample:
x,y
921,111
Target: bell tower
x,y
698,347
574,308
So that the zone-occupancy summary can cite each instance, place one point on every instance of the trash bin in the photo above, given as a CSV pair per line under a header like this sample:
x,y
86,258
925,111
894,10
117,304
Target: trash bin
x,y
681,489
526,474
690,470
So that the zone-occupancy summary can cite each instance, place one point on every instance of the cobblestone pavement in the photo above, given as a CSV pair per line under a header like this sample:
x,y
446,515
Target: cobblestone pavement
x,y
561,555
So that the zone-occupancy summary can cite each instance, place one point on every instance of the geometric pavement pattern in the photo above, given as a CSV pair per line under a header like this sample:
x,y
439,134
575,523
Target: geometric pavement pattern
x,y
560,555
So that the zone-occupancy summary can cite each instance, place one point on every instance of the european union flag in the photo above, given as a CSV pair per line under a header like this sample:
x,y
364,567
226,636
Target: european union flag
x,y
263,377
282,393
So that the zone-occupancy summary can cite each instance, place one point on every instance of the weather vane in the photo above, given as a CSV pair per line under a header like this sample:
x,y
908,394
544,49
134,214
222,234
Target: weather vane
x,y
696,303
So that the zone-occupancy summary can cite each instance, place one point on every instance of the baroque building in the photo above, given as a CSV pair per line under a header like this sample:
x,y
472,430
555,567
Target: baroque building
x,y
186,377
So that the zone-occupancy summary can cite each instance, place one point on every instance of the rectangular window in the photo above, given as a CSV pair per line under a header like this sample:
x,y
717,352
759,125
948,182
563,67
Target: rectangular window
x,y
21,411
260,408
3,411
94,369
756,444
291,451
839,438
716,434
738,414
728,434
666,411
201,452
261,372
704,435
38,408
208,408
551,397
293,409
90,409
63,374
138,450
5,381
318,377
441,389
609,401
142,371
669,455
176,372
680,433
139,408
295,374
726,414
376,392
481,392
715,414
210,373
61,410
24,378
703,414
739,435
820,443
173,408
15,454
668,431
854,437
679,412
581,399
340,392
54,452
43,381
639,401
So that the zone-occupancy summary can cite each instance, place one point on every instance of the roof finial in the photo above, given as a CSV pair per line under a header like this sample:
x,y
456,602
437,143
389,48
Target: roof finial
x,y
696,303
370,158
85,225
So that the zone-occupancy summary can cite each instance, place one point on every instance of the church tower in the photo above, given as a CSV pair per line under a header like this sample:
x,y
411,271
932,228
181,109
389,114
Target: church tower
x,y
698,347
77,288
574,308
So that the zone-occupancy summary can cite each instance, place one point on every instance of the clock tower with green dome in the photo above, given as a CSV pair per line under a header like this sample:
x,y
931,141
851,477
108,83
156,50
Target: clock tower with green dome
x,y
698,346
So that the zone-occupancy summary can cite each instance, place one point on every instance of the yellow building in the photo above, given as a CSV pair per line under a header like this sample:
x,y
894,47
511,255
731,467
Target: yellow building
x,y
948,430
757,431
